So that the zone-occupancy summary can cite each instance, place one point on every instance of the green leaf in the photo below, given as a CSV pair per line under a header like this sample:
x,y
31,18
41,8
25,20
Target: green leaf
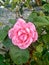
x,y
46,39
46,55
16,1
3,33
13,5
7,42
1,60
1,57
40,21
12,21
32,62
46,58
19,56
47,18
46,7
32,16
39,48
36,55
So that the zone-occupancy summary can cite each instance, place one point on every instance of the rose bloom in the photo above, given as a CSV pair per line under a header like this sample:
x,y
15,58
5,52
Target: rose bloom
x,y
23,34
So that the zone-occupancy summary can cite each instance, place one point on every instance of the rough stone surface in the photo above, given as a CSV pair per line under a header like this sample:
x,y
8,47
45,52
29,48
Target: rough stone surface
x,y
26,13
5,15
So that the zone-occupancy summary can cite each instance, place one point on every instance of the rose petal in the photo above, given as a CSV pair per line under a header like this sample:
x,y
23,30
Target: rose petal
x,y
35,36
25,45
16,41
20,23
31,26
10,33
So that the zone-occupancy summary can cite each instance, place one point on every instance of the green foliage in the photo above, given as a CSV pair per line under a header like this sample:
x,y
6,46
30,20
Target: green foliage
x,y
39,48
3,33
27,3
16,1
38,20
46,7
1,60
46,39
12,21
7,42
46,58
41,21
19,56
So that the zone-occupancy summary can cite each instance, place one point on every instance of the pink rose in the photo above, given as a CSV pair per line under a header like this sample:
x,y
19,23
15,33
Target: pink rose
x,y
23,34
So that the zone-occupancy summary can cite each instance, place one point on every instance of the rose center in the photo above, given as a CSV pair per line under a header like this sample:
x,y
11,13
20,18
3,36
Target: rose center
x,y
23,37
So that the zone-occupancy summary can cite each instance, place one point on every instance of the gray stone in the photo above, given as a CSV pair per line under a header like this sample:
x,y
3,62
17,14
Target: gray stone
x,y
5,15
26,13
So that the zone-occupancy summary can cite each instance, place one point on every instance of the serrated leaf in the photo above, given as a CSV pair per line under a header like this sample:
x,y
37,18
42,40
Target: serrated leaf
x,y
40,21
7,42
3,33
19,56
12,21
46,7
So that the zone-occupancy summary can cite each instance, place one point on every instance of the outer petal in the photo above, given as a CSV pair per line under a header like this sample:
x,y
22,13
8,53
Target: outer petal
x,y
33,31
25,44
31,26
11,33
20,20
35,36
16,41
20,23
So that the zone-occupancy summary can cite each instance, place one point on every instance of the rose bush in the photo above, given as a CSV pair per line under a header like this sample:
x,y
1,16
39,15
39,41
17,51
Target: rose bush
x,y
23,34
